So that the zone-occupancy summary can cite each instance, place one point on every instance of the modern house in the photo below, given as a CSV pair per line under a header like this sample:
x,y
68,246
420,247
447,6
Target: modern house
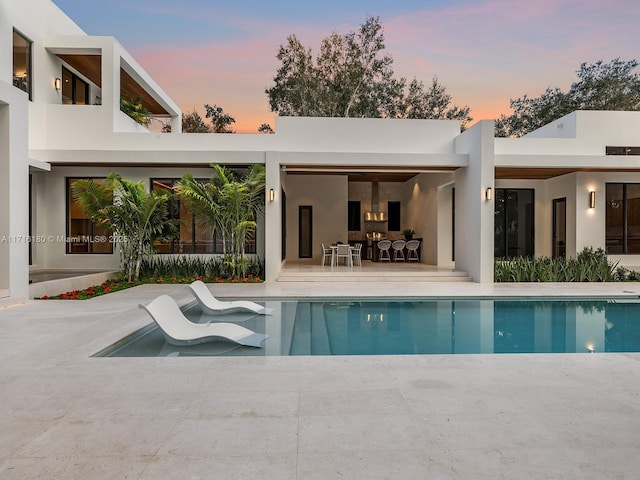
x,y
469,196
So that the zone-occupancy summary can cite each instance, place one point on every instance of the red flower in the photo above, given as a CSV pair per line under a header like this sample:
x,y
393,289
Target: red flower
x,y
107,289
160,280
45,297
245,279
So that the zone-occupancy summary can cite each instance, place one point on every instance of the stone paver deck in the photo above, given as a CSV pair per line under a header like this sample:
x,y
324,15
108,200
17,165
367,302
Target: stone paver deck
x,y
66,415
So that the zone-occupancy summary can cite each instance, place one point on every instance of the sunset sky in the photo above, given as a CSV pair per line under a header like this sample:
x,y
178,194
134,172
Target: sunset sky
x,y
484,51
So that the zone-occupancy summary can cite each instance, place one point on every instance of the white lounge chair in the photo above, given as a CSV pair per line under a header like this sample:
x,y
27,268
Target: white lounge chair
x,y
211,304
178,330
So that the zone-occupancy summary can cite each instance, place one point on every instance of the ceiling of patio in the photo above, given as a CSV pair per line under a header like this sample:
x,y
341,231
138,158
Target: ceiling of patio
x,y
365,174
91,67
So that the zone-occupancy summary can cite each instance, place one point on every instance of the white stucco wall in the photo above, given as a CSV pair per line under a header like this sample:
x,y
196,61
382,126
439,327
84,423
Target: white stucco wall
x,y
50,218
328,196
14,192
427,208
474,214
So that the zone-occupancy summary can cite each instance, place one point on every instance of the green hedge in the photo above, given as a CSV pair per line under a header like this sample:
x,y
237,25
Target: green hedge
x,y
588,266
187,266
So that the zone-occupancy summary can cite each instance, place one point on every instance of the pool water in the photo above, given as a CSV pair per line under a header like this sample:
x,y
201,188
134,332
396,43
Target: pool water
x,y
407,327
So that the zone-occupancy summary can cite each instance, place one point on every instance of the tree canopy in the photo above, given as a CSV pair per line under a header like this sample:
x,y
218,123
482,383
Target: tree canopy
x,y
352,76
192,122
220,121
600,86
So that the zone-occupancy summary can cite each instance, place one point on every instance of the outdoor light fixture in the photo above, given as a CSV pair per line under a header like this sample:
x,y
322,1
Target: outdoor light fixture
x,y
592,199
57,83
488,194
272,195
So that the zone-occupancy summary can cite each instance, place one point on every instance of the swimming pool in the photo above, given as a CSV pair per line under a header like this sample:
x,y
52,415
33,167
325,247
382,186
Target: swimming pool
x,y
418,326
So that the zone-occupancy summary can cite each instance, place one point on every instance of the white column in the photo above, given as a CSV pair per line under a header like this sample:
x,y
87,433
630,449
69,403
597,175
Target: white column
x,y
474,212
273,218
14,192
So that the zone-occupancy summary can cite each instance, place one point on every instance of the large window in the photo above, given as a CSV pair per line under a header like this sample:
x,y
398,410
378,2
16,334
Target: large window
x,y
22,75
75,91
514,223
192,237
623,218
83,235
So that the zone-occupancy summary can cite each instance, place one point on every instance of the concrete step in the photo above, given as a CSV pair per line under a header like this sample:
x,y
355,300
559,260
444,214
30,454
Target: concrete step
x,y
359,276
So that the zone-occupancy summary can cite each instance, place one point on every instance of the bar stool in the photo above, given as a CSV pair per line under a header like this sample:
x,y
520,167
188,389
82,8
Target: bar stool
x,y
398,247
412,251
383,247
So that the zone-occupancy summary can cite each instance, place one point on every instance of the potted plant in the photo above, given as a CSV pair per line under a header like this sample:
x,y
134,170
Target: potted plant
x,y
408,233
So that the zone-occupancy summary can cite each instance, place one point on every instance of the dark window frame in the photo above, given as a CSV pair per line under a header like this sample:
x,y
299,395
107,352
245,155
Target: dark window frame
x,y
75,79
625,220
612,150
217,246
29,73
533,217
91,234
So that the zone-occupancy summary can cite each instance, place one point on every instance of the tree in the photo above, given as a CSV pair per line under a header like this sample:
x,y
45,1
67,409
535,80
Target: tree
x,y
265,128
352,77
193,123
230,204
135,217
600,86
220,121
434,103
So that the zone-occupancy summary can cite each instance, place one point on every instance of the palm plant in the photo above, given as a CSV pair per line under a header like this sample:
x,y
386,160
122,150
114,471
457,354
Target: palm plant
x,y
135,217
229,204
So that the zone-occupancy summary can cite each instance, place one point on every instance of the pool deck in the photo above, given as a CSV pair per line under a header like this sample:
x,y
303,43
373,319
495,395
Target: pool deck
x,y
66,415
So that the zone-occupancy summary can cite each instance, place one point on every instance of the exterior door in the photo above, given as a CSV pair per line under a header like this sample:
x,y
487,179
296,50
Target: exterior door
x,y
559,231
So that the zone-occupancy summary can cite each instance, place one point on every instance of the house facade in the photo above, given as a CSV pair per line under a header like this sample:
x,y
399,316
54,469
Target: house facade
x,y
469,196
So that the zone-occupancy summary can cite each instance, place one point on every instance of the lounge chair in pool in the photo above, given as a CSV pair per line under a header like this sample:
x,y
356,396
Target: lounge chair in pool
x,y
211,304
178,330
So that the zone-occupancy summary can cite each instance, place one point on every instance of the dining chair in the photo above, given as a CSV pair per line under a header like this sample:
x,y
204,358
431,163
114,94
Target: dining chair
x,y
326,252
412,251
383,247
344,251
356,254
398,253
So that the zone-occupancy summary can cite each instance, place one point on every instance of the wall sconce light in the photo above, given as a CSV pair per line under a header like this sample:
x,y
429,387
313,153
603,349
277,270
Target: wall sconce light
x,y
592,199
488,194
57,83
272,195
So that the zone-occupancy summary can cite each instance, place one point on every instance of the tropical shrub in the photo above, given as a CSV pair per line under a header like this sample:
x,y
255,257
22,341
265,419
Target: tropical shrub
x,y
195,266
136,110
135,217
229,204
588,266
